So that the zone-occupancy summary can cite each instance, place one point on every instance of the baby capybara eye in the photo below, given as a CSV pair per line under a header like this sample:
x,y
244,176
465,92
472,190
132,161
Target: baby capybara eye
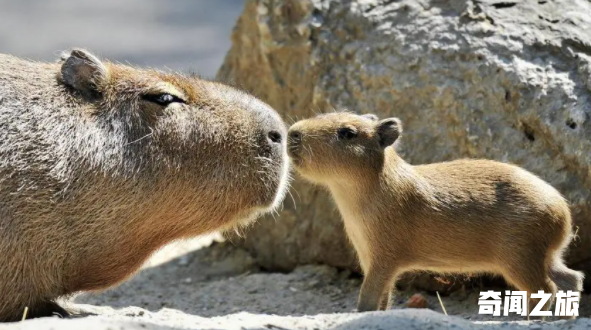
x,y
346,133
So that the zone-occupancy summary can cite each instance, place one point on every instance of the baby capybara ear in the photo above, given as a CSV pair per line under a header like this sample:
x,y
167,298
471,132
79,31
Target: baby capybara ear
x,y
83,72
388,130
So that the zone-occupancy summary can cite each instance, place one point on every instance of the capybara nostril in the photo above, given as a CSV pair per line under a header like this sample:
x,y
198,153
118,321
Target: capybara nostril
x,y
274,136
295,136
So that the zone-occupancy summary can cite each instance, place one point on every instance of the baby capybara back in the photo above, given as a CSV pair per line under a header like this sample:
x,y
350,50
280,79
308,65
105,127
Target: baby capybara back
x,y
464,216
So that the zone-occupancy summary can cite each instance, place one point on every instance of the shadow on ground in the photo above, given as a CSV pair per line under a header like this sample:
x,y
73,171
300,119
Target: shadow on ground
x,y
222,279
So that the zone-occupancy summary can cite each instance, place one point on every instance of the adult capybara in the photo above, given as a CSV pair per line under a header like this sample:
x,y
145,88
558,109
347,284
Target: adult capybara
x,y
453,217
101,164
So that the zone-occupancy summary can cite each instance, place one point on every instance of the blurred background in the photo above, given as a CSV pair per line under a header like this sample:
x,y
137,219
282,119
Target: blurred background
x,y
186,35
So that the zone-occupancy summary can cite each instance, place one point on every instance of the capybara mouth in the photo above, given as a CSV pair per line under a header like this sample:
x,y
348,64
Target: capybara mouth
x,y
283,185
294,147
293,151
273,168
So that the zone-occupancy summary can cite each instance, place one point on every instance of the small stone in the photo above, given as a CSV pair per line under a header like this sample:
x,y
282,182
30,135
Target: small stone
x,y
417,300
183,260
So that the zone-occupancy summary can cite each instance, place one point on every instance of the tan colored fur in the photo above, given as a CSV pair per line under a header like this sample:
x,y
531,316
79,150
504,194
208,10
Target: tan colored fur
x,y
94,178
453,217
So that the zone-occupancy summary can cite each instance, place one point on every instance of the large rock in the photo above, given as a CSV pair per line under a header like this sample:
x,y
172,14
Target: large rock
x,y
509,81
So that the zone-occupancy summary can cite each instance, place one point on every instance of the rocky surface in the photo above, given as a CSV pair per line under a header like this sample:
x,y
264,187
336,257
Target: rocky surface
x,y
509,81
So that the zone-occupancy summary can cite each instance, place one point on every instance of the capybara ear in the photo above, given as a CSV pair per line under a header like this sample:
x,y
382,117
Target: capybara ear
x,y
370,116
388,131
83,72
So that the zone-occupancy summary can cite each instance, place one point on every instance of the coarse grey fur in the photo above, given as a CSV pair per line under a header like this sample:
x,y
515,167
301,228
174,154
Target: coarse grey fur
x,y
94,178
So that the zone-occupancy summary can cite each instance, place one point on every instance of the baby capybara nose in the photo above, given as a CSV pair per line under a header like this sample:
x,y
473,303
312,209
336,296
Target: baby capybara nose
x,y
295,137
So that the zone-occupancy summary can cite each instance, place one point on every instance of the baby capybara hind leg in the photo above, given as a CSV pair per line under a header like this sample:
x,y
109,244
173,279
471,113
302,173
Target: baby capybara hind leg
x,y
566,278
531,278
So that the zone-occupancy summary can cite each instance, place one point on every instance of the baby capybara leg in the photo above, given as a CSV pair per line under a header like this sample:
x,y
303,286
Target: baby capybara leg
x,y
531,278
377,283
566,278
386,301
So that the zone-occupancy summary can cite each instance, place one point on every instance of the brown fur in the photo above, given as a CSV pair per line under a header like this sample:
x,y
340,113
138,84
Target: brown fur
x,y
94,178
453,217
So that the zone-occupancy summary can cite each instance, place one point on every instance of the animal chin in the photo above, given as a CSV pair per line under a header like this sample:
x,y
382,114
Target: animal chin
x,y
295,157
274,194
283,186
248,217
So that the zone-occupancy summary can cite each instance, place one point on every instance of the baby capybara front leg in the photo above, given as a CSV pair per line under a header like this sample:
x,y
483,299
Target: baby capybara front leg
x,y
376,290
386,301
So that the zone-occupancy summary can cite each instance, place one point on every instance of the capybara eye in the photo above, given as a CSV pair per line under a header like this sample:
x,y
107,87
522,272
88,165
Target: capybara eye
x,y
346,133
163,99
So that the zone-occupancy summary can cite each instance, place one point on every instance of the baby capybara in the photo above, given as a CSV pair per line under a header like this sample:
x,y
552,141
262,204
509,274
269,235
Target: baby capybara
x,y
461,216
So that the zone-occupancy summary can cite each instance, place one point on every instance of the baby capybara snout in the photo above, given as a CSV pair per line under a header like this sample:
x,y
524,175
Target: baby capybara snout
x,y
463,216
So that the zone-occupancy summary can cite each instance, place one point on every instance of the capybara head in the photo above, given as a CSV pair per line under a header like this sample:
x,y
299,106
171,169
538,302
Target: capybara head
x,y
216,153
108,163
335,144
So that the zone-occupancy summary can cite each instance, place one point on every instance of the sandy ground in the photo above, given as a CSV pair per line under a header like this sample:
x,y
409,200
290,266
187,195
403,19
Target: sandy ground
x,y
192,285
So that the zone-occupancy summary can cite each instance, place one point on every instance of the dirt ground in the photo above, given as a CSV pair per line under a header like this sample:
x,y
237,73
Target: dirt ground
x,y
205,284
221,279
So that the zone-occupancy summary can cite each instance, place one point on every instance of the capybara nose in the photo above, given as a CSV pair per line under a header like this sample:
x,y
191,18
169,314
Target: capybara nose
x,y
274,136
272,129
295,137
